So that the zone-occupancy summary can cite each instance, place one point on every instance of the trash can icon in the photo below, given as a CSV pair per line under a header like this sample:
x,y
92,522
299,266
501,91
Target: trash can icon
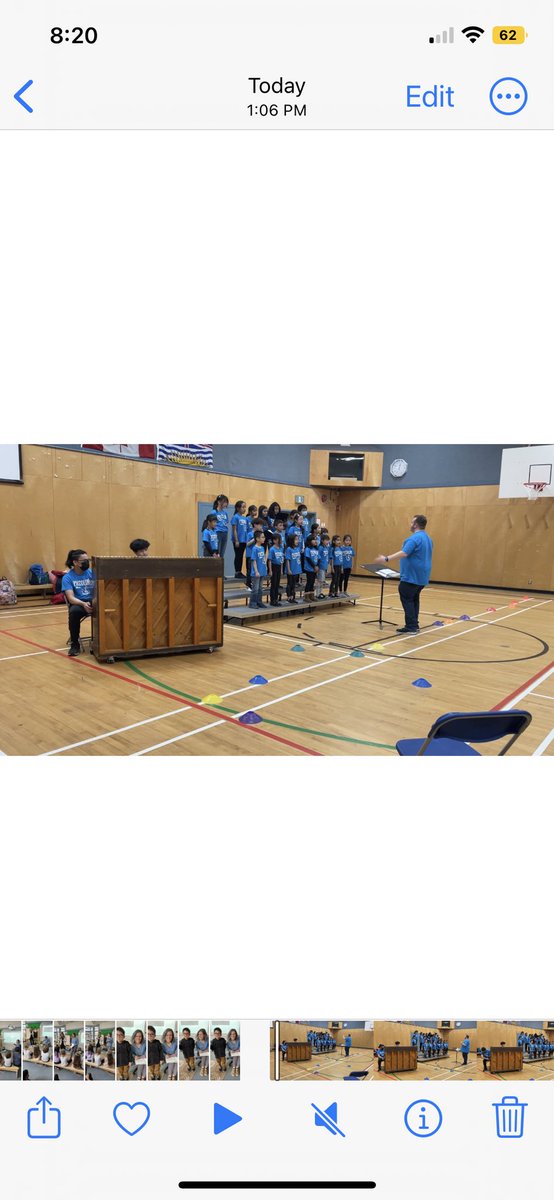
x,y
510,1114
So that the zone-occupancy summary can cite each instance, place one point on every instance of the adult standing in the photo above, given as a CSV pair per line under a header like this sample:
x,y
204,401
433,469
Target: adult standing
x,y
416,558
465,1045
347,1044
78,587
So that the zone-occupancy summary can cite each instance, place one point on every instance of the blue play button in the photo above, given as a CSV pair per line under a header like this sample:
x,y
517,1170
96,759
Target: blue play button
x,y
224,1118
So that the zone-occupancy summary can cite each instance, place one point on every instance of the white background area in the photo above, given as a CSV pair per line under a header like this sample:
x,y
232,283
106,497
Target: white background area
x,y
375,287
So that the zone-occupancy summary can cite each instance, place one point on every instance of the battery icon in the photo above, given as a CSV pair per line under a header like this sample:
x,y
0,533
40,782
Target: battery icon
x,y
509,35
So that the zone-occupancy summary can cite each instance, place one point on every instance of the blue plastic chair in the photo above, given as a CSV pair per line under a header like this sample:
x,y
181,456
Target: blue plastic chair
x,y
451,733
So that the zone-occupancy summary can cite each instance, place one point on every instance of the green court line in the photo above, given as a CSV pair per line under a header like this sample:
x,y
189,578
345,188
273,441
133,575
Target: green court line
x,y
338,737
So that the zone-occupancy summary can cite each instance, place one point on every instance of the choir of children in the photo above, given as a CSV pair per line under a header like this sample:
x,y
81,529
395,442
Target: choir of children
x,y
270,543
321,1042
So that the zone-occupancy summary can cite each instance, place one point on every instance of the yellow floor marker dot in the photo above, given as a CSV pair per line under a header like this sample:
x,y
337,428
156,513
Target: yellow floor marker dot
x,y
377,646
212,699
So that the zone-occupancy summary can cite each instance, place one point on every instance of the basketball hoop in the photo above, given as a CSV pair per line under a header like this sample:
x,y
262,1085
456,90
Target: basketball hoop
x,y
534,489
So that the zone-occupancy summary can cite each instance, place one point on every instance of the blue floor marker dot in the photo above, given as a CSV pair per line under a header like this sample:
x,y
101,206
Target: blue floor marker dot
x,y
258,679
438,623
464,617
299,649
357,654
250,718
422,683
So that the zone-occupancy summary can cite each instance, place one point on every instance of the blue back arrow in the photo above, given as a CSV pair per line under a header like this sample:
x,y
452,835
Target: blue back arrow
x,y
19,96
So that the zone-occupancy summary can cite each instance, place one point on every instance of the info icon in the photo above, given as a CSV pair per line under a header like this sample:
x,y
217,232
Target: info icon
x,y
423,1118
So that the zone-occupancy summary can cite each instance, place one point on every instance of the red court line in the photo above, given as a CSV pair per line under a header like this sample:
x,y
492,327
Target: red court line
x,y
522,687
147,687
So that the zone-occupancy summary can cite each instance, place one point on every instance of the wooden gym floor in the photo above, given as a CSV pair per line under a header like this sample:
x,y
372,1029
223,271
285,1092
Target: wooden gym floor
x,y
318,701
336,1066
442,1070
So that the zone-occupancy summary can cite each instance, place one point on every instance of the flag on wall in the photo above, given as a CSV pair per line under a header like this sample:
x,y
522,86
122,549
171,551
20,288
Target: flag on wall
x,y
190,454
129,449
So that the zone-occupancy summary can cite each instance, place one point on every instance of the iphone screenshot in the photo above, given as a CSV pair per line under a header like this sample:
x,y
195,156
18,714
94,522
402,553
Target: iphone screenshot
x,y
244,684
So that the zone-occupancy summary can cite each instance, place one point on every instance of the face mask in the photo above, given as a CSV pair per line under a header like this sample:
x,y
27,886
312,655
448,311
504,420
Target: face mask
x,y
85,564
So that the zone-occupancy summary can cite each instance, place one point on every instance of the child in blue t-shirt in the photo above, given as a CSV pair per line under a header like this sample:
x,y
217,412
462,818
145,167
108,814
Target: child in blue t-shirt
x,y
276,557
239,533
336,563
210,540
221,504
255,524
348,554
258,569
310,567
323,556
293,557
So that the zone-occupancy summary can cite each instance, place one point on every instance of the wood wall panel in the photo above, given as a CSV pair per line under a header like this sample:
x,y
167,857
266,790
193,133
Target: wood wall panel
x,y
478,538
70,499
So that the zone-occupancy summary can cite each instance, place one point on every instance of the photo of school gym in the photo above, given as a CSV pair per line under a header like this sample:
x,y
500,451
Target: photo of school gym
x,y
10,1051
322,1049
516,1049
38,1051
100,1050
276,600
433,1050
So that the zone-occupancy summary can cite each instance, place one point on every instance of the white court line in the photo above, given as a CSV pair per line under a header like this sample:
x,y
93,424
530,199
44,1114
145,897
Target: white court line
x,y
184,708
542,695
526,691
28,612
31,654
336,678
545,743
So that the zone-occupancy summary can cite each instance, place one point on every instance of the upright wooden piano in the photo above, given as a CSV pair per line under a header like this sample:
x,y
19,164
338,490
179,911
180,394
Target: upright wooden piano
x,y
506,1058
400,1058
152,606
298,1052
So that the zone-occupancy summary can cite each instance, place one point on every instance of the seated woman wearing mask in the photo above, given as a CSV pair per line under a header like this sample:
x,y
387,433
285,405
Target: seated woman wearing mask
x,y
78,587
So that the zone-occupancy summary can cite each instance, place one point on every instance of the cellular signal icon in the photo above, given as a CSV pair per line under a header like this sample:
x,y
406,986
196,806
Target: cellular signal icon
x,y
473,32
447,35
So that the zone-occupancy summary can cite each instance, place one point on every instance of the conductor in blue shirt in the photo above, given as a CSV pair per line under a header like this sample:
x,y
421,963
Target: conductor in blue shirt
x,y
465,1049
416,558
347,1044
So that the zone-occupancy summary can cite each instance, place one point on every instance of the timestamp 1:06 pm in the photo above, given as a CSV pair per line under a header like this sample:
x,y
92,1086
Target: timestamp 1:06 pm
x,y
277,110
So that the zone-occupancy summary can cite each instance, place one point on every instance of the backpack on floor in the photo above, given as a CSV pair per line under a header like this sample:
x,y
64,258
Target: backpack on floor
x,y
55,578
7,591
37,574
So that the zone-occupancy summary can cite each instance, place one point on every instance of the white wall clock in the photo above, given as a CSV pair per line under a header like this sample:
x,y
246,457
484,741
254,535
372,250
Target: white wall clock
x,y
398,468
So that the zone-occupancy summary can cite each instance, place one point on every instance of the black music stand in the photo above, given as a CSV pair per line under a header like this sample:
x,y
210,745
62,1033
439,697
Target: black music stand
x,y
381,573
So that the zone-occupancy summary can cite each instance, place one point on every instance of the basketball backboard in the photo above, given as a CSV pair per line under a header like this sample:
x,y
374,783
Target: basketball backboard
x,y
526,465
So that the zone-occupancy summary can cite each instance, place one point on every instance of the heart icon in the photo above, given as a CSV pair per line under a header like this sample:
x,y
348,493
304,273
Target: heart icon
x,y
131,1118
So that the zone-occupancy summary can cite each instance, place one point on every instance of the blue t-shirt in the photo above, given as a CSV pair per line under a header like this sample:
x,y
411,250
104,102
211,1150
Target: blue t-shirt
x,y
83,586
311,558
293,556
416,568
277,555
241,526
258,558
323,556
337,556
222,519
348,553
209,537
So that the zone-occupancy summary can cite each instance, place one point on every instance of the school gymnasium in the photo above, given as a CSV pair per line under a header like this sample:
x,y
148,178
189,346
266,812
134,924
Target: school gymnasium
x,y
171,652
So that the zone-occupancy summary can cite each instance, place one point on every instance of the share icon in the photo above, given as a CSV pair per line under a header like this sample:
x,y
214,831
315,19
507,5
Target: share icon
x,y
328,1118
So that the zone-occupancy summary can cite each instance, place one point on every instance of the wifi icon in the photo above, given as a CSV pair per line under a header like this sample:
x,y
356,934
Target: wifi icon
x,y
473,32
